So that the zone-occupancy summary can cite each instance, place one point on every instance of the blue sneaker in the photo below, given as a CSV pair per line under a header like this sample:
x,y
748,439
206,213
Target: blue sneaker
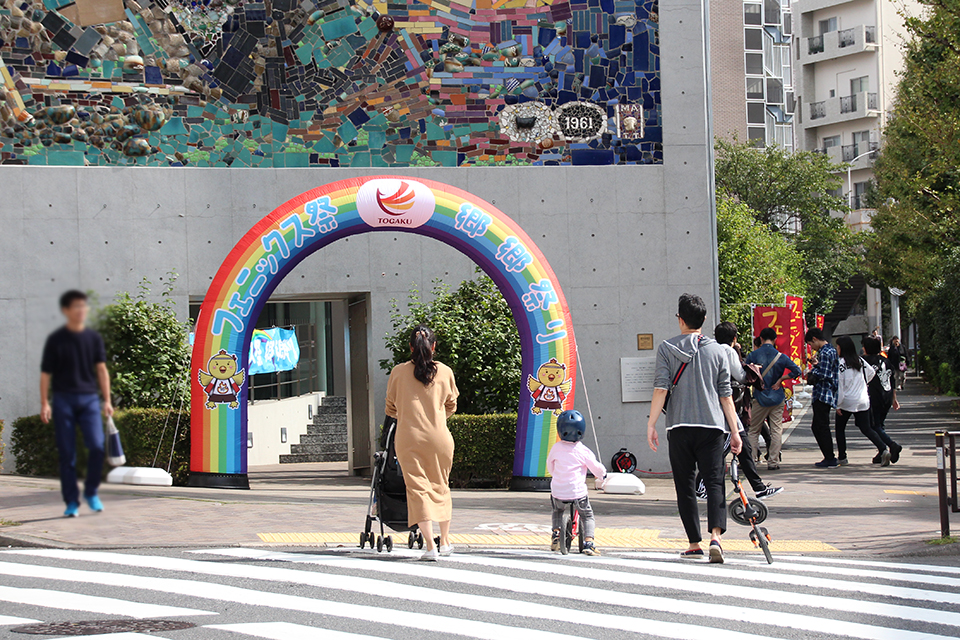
x,y
73,510
94,502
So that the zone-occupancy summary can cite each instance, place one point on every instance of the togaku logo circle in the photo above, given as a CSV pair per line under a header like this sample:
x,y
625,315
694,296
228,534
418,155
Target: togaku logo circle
x,y
395,202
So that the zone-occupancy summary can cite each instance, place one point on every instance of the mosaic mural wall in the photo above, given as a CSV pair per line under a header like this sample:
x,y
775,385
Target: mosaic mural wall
x,y
328,83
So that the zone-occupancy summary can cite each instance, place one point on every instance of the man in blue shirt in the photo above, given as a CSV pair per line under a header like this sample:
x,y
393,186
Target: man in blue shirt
x,y
825,378
768,403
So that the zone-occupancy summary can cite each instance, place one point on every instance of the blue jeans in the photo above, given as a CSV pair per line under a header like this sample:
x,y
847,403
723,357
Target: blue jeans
x,y
72,410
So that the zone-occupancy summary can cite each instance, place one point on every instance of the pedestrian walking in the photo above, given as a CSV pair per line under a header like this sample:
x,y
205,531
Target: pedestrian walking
x,y
692,383
74,367
853,400
421,395
567,463
725,334
883,396
768,403
899,361
824,376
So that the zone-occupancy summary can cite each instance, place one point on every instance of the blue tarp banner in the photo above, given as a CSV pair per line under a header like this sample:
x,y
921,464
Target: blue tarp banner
x,y
273,350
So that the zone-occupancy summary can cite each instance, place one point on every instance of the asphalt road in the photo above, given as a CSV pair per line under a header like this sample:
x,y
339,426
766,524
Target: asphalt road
x,y
348,594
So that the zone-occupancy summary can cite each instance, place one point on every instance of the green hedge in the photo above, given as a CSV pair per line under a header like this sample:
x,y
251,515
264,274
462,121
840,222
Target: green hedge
x,y
484,451
939,332
35,450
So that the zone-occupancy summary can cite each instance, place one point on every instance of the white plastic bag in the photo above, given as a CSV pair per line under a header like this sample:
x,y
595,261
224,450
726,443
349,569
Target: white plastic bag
x,y
115,455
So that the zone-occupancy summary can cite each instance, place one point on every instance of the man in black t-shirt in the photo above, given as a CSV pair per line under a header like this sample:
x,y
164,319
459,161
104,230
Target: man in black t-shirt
x,y
74,364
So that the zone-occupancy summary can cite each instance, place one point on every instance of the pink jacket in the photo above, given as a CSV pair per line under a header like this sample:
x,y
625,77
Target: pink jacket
x,y
568,463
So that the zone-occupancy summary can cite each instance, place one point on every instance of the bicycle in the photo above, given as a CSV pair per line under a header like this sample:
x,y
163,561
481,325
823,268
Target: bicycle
x,y
570,528
750,513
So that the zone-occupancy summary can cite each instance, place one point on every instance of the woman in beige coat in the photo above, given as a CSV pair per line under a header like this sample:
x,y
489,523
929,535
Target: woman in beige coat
x,y
421,395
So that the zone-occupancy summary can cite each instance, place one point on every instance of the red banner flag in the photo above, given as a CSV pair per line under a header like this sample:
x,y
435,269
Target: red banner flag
x,y
820,321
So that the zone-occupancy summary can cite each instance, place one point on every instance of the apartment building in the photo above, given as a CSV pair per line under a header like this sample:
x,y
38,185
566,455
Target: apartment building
x,y
752,71
848,53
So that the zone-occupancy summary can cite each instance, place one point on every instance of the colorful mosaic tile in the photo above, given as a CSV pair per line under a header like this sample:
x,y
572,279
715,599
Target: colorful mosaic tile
x,y
327,83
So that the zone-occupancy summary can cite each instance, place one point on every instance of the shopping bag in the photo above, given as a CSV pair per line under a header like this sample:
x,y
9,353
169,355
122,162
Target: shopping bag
x,y
115,455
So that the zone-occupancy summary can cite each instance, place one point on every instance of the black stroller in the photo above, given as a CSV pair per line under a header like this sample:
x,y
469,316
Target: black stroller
x,y
388,496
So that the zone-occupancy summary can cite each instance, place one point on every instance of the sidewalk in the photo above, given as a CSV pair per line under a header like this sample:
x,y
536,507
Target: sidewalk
x,y
858,509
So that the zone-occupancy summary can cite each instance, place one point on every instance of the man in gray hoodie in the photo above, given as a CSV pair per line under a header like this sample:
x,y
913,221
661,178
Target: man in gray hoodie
x,y
695,371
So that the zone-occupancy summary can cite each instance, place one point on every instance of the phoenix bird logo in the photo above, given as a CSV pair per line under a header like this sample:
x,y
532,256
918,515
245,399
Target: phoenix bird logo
x,y
398,203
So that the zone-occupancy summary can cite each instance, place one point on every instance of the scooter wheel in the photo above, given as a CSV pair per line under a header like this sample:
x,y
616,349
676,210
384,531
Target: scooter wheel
x,y
388,543
738,512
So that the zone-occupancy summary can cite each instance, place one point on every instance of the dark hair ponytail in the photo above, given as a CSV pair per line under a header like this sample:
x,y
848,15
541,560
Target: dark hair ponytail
x,y
422,341
848,351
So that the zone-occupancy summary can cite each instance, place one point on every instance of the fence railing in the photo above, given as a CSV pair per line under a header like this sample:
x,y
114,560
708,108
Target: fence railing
x,y
848,104
815,45
818,110
847,38
947,485
870,34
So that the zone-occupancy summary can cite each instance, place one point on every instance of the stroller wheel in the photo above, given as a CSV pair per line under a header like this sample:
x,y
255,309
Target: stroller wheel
x,y
372,539
419,541
388,543
379,544
363,539
411,540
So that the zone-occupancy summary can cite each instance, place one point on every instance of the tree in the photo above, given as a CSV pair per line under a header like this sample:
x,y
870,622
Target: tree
x,y
917,224
757,265
147,350
476,337
793,193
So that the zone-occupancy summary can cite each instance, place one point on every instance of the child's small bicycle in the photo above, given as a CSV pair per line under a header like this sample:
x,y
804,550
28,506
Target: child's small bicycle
x,y
750,513
570,529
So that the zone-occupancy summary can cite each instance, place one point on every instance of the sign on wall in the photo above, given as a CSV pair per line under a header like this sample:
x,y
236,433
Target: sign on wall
x,y
636,379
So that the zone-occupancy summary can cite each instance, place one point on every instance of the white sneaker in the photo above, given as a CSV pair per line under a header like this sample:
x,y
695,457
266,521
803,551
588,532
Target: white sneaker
x,y
431,555
446,550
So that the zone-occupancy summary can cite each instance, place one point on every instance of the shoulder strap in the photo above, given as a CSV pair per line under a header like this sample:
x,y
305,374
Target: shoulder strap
x,y
770,366
683,365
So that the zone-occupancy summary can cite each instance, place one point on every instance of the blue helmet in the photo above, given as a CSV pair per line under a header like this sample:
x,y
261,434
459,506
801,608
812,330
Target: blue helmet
x,y
571,426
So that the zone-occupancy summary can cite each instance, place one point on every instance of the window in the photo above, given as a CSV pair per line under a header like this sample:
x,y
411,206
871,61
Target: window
x,y
831,141
752,14
755,89
757,135
754,64
774,91
787,24
787,69
861,136
833,93
828,25
860,85
771,10
791,104
755,113
753,39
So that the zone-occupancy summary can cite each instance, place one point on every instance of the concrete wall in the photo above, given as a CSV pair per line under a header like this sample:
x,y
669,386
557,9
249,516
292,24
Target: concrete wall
x,y
625,241
265,419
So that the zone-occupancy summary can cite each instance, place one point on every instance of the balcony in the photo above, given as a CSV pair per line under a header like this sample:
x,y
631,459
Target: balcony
x,y
836,44
842,109
850,152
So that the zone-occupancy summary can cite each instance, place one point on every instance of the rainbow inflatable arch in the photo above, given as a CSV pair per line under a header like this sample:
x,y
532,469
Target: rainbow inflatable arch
x,y
314,219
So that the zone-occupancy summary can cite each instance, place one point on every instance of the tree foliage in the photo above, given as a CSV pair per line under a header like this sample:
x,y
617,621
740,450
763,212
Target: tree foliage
x,y
791,193
917,226
476,337
147,350
757,265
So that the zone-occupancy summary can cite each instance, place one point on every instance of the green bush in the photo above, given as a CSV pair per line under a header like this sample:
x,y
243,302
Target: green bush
x,y
476,337
147,350
34,448
484,451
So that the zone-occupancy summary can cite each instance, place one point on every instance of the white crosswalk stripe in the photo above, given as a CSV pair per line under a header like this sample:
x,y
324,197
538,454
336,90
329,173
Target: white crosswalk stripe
x,y
95,604
351,595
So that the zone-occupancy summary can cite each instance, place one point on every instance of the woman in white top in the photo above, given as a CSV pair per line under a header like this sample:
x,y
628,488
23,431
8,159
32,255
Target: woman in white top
x,y
854,400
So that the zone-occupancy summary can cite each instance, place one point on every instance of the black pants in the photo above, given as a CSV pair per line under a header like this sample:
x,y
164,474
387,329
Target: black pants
x,y
862,420
879,411
821,428
692,448
747,465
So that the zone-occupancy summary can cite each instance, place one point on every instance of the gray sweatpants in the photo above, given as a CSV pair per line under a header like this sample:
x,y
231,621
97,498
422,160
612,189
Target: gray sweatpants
x,y
586,514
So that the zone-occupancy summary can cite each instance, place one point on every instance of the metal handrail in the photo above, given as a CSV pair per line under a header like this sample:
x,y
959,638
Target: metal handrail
x,y
947,448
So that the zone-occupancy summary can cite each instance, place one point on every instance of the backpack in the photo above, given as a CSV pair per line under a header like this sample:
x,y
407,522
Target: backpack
x,y
882,384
